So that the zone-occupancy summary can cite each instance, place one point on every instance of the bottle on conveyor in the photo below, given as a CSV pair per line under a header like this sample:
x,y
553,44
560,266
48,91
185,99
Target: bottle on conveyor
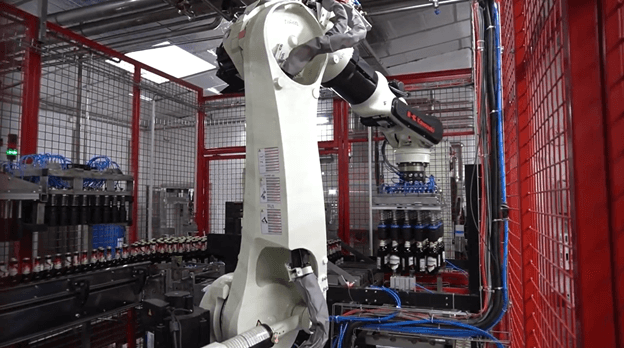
x,y
394,258
125,256
57,268
109,257
118,260
67,265
37,269
101,253
84,261
76,265
382,251
48,267
26,273
407,257
4,274
93,263
13,271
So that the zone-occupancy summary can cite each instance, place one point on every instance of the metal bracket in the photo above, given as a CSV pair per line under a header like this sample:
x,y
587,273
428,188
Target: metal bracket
x,y
298,272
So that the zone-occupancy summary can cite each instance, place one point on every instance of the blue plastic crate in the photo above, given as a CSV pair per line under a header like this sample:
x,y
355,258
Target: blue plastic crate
x,y
108,236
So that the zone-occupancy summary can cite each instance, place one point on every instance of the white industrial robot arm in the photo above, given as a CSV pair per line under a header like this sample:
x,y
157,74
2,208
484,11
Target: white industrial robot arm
x,y
279,47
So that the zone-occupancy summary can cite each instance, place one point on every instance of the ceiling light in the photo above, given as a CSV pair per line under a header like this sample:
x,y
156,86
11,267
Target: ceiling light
x,y
162,44
213,90
322,120
171,60
143,97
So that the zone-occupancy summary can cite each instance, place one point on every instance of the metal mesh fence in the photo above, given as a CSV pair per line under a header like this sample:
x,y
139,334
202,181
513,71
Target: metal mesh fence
x,y
13,46
515,319
548,235
85,111
225,134
167,160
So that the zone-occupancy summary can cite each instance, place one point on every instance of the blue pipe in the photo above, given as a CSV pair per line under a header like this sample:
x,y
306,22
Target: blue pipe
x,y
501,152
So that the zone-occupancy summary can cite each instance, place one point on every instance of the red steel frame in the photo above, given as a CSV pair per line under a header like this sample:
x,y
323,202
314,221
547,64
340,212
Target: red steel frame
x,y
611,24
595,305
340,146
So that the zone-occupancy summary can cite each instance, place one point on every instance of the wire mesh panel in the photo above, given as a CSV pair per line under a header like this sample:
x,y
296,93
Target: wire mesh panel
x,y
225,133
13,46
85,113
359,206
225,123
167,159
548,236
225,185
515,318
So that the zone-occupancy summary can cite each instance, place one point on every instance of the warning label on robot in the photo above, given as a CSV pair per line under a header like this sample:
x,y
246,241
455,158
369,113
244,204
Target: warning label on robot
x,y
263,190
264,221
268,161
271,220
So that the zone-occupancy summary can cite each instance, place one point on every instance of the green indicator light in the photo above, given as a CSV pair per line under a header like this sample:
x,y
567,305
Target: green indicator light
x,y
11,152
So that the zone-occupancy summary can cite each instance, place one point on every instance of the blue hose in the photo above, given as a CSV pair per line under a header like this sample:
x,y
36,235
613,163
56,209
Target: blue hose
x,y
501,154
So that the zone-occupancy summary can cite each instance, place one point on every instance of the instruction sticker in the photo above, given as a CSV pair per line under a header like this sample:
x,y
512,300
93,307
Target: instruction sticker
x,y
263,190
264,221
262,161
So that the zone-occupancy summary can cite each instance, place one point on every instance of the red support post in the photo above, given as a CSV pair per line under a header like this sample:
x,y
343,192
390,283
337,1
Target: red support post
x,y
29,132
136,134
595,300
131,328
612,30
341,136
32,84
200,193
207,190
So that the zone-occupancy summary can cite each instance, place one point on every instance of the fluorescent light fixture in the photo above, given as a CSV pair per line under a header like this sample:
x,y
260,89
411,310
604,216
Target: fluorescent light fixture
x,y
332,192
171,60
322,120
213,91
162,44
143,97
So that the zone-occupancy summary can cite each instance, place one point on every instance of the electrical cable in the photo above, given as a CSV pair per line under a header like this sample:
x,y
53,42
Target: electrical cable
x,y
422,287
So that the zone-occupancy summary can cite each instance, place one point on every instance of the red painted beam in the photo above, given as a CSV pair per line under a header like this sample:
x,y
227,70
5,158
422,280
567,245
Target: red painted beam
x,y
595,300
136,134
29,132
612,32
435,76
221,96
224,157
30,97
200,179
224,150
131,328
341,135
